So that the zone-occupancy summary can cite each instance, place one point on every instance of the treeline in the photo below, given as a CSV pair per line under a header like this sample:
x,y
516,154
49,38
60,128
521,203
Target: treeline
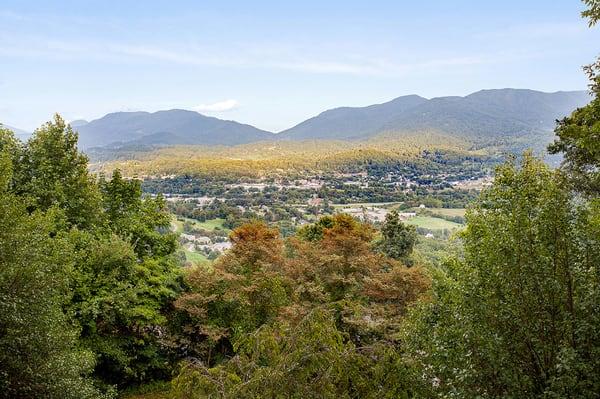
x,y
87,273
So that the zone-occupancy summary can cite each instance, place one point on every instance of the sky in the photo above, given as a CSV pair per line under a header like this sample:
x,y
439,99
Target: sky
x,y
273,64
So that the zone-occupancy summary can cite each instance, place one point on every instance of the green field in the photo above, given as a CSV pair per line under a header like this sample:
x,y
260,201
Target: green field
x,y
432,223
209,225
195,257
448,211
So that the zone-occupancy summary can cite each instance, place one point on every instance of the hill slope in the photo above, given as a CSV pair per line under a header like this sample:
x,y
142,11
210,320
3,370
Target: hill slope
x,y
172,126
352,122
484,115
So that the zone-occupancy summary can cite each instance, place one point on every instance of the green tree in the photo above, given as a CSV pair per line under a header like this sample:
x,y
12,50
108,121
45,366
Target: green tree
x,y
144,222
122,304
308,359
578,135
518,317
39,353
397,239
592,12
54,173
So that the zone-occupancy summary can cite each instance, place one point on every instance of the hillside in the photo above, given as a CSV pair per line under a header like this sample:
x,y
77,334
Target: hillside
x,y
511,119
166,127
487,115
352,122
279,157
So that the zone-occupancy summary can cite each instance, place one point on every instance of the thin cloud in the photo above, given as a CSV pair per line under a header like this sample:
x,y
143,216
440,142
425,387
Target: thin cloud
x,y
219,106
270,58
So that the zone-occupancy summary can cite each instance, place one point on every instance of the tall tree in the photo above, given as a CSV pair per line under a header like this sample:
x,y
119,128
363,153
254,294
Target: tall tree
x,y
397,239
519,317
579,134
143,221
55,174
39,353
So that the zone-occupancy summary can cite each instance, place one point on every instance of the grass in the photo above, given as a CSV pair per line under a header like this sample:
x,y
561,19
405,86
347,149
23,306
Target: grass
x,y
195,257
432,223
210,225
448,211
177,225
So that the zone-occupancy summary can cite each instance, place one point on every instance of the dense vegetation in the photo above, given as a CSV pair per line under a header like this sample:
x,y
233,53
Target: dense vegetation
x,y
87,273
93,301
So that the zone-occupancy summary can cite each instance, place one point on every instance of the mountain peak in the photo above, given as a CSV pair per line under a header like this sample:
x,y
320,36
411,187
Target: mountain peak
x,y
189,127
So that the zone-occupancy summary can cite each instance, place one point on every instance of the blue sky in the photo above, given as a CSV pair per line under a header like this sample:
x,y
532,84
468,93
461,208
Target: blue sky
x,y
275,63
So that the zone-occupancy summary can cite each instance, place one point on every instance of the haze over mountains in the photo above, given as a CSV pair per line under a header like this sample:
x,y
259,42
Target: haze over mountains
x,y
484,116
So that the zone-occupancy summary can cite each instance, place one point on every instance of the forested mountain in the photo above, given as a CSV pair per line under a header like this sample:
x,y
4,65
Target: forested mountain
x,y
352,122
166,127
484,115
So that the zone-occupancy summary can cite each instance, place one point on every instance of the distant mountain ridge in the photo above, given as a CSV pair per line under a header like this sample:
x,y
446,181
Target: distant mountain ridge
x,y
484,115
486,118
167,128
352,122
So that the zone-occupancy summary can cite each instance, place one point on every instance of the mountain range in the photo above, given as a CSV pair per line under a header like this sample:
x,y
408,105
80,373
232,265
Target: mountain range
x,y
486,116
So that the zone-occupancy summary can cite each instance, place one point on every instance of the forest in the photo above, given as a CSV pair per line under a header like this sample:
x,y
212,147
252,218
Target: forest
x,y
94,301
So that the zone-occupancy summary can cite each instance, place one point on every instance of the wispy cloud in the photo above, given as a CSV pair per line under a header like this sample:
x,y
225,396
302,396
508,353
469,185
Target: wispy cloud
x,y
269,57
219,106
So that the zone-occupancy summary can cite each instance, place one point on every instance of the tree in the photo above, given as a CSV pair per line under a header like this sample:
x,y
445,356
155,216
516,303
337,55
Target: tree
x,y
308,359
579,141
121,304
54,173
314,316
144,222
39,353
579,134
398,239
592,12
518,317
245,289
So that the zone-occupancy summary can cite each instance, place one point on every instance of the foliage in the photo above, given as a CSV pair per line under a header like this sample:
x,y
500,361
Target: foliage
x,y
592,12
579,134
519,317
241,292
144,221
313,316
579,141
120,304
397,239
113,276
308,359
54,173
39,352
